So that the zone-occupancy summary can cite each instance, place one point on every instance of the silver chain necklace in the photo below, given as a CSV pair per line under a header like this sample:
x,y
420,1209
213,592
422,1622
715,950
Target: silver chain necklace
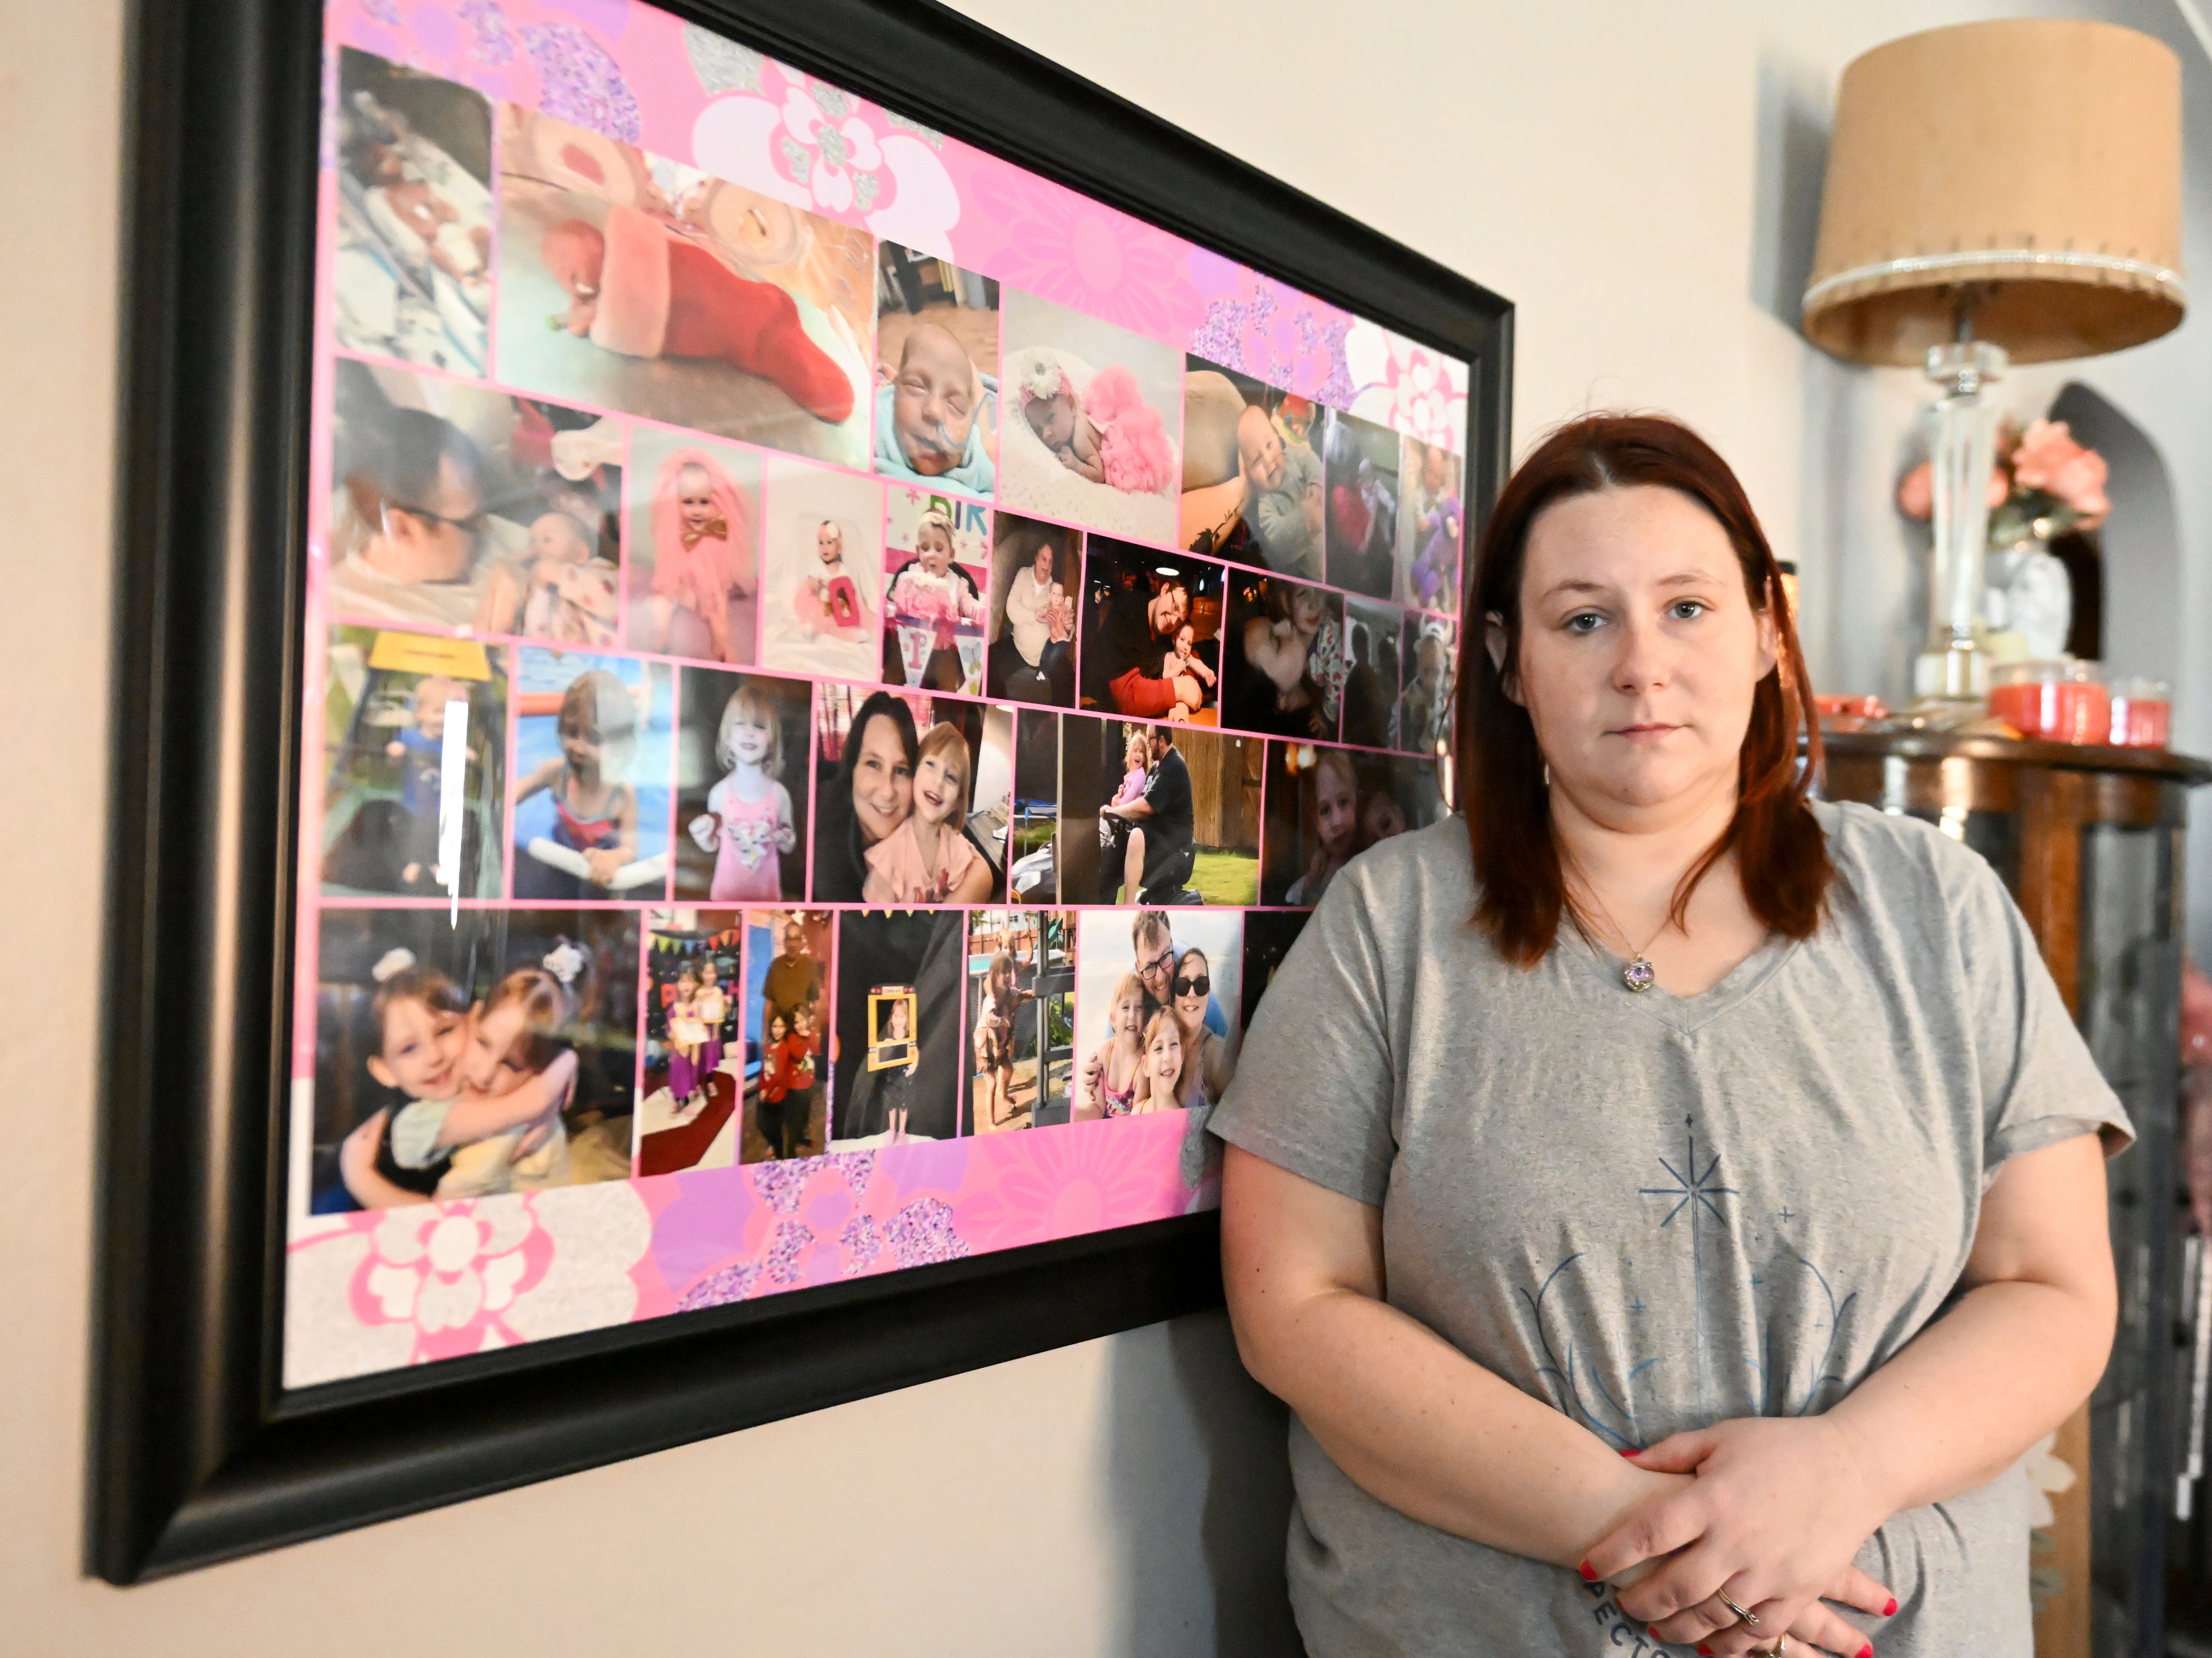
x,y
1639,976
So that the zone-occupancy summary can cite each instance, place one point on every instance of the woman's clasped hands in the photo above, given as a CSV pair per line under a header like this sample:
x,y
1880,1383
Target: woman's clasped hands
x,y
1772,1514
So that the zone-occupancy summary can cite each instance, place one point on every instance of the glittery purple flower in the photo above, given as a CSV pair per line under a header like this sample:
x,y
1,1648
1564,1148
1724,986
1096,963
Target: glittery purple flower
x,y
495,40
1337,390
1216,339
792,1237
923,1232
581,83
781,1184
861,1244
719,1288
859,1168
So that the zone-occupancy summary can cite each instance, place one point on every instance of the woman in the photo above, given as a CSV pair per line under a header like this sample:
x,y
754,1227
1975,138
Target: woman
x,y
1028,640
870,795
1207,1064
1664,1242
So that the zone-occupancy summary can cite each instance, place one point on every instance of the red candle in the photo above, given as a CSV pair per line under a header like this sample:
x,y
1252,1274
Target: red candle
x,y
2056,710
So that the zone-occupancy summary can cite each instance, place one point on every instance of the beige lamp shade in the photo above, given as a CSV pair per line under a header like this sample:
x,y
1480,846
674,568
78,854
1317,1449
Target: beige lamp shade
x,y
2037,160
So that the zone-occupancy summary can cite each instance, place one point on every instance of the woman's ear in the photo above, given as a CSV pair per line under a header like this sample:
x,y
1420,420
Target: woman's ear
x,y
1769,639
1494,640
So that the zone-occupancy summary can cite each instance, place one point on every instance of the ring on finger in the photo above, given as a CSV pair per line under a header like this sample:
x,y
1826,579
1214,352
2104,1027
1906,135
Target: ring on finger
x,y
1780,1648
1744,1615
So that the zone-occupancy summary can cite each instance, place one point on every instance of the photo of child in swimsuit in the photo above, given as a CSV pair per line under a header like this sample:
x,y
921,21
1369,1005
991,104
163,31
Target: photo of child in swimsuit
x,y
593,757
937,373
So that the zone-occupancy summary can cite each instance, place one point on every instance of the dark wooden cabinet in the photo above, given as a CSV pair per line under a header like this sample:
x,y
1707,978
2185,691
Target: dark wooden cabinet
x,y
2090,839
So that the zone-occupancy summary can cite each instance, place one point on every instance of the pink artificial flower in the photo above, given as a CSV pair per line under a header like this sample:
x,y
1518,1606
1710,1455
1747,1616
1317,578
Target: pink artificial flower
x,y
2048,458
1916,493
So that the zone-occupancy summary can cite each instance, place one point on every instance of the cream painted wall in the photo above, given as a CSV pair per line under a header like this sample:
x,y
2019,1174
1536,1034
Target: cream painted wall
x,y
1634,176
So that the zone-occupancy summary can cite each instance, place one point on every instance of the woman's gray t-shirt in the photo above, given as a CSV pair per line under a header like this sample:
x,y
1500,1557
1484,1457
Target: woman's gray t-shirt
x,y
1655,1213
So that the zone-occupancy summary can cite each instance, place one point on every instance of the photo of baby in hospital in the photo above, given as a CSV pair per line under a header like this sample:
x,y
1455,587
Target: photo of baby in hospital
x,y
741,795
695,1051
1152,626
1327,805
1360,467
1432,527
1158,995
471,1056
591,757
695,526
1036,579
1090,423
937,373
457,507
936,559
910,797
1021,1018
898,1063
789,969
1372,632
414,765
1422,723
1285,667
412,276
1252,489
633,282
821,588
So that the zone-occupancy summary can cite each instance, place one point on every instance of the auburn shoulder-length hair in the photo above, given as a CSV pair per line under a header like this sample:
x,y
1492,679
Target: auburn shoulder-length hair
x,y
1781,855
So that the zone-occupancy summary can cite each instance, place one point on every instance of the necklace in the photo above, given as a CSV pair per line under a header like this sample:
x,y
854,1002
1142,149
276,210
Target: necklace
x,y
1639,976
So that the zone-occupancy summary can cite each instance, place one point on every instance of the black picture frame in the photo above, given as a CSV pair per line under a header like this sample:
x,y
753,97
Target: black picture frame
x,y
197,1453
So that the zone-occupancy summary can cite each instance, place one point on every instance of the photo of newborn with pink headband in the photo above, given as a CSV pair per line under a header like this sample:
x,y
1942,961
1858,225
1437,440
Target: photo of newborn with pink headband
x,y
1091,424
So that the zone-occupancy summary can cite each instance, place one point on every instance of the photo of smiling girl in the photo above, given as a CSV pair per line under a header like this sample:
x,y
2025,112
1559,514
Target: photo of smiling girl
x,y
741,792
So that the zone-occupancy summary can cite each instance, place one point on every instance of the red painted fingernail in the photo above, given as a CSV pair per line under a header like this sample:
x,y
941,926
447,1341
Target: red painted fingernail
x,y
1654,1633
1589,1576
1633,1451
1867,1651
1889,1611
1706,1650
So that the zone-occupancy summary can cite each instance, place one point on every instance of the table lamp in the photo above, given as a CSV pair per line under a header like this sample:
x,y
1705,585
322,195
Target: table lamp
x,y
1997,191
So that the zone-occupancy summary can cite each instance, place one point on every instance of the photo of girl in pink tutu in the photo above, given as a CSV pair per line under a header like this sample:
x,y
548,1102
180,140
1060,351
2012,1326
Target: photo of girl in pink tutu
x,y
695,549
823,571
1091,422
743,827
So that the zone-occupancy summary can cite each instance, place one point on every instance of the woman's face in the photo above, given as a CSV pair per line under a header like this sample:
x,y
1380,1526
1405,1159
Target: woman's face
x,y
695,497
422,1046
1639,649
883,782
1307,609
490,1065
1336,809
940,782
1041,566
1189,999
1164,1055
829,542
750,734
934,549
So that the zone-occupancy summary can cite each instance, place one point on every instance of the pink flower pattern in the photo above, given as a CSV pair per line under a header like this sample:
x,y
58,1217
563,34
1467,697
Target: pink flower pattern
x,y
453,1271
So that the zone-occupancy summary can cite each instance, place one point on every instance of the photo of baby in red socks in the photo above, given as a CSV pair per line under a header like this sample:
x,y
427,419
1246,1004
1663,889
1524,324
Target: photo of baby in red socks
x,y
632,283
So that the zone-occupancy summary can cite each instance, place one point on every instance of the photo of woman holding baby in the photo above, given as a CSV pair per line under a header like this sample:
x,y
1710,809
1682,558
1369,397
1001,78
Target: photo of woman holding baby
x,y
1036,574
868,760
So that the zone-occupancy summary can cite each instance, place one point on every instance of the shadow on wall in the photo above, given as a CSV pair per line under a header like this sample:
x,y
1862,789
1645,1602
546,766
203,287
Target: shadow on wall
x,y
2140,542
1221,1451
1791,161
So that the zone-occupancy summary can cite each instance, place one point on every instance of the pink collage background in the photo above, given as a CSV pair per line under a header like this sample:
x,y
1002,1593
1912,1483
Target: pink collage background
x,y
373,1291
